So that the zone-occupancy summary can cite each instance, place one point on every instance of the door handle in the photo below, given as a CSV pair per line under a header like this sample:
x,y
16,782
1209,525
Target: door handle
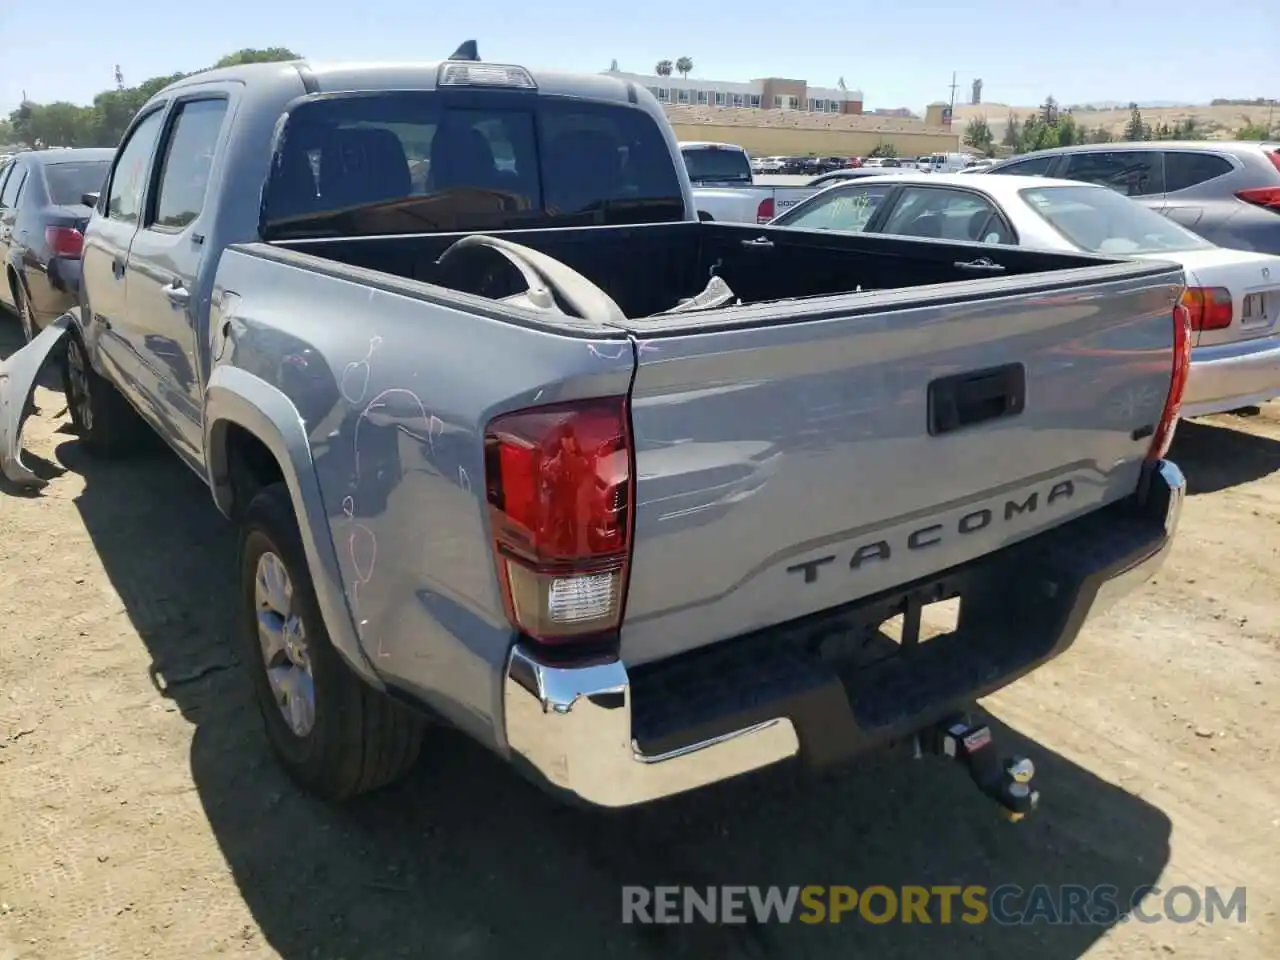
x,y
117,269
178,294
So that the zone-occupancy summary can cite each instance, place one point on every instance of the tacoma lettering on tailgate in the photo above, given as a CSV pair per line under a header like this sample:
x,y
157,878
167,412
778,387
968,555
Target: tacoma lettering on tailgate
x,y
935,533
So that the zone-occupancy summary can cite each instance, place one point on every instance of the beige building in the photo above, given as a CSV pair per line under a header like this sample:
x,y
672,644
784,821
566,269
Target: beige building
x,y
800,133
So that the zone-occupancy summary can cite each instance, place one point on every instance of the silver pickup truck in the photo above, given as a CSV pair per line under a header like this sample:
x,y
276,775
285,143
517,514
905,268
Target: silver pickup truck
x,y
517,444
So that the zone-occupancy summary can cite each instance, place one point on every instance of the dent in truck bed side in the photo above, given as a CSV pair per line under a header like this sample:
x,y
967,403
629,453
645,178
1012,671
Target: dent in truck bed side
x,y
393,392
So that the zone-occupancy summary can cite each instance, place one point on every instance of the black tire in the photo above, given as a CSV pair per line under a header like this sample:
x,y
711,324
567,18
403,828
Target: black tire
x,y
108,426
360,739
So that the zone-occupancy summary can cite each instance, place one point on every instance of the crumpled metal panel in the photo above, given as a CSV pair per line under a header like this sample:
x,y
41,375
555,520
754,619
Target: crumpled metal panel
x,y
18,377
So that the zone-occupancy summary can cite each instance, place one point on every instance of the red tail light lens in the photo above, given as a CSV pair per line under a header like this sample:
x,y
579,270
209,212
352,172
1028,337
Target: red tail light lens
x,y
1266,197
1274,157
764,212
1210,307
559,486
1163,438
65,242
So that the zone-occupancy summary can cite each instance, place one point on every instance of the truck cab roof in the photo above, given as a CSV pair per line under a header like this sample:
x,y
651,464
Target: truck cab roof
x,y
341,77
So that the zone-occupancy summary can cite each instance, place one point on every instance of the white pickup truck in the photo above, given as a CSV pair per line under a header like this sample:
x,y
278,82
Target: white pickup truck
x,y
724,188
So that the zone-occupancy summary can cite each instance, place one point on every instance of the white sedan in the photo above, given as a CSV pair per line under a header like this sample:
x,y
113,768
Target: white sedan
x,y
1233,295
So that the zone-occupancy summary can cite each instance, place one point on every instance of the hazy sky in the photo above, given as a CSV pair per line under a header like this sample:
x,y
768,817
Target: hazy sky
x,y
897,54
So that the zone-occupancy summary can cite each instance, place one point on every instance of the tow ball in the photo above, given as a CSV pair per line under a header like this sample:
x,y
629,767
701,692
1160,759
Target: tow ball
x,y
1006,780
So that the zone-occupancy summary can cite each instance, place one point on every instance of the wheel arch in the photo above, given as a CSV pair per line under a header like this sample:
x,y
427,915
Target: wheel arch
x,y
253,434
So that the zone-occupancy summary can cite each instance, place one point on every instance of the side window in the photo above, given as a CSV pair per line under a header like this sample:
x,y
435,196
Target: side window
x,y
129,179
842,208
188,158
1133,173
1033,167
1184,169
941,214
13,187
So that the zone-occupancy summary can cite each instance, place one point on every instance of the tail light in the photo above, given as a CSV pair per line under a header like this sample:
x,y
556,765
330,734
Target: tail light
x,y
65,242
1274,157
764,212
559,485
1210,307
1266,197
1163,437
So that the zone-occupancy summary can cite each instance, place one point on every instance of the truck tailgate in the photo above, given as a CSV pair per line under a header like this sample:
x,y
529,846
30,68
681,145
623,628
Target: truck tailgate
x,y
788,467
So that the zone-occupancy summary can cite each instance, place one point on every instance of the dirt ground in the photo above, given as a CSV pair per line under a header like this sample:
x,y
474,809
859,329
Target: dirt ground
x,y
141,816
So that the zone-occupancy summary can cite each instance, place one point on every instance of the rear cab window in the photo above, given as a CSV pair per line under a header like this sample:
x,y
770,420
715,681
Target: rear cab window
x,y
448,161
68,181
716,164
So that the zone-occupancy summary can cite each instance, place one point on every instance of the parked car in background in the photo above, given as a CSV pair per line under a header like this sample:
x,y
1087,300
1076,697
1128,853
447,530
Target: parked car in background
x,y
767,164
710,163
978,166
1226,191
857,173
724,187
884,162
42,214
1233,295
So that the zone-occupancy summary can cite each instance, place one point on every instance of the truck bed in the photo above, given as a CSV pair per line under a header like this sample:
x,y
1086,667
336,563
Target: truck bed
x,y
646,269
787,454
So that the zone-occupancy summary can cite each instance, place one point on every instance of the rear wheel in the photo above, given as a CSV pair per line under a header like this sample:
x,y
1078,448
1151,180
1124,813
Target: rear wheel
x,y
335,735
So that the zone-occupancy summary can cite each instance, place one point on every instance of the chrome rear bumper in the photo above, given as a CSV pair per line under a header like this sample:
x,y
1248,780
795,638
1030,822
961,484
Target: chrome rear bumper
x,y
571,725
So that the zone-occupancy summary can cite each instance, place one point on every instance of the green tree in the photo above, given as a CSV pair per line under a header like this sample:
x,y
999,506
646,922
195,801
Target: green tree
x,y
883,149
7,135
663,68
1036,135
1099,135
1012,132
1136,129
1068,132
977,134
1049,111
1253,131
251,55
1188,129
684,66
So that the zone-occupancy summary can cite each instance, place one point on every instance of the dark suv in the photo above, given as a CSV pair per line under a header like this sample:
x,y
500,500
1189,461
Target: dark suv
x,y
1226,191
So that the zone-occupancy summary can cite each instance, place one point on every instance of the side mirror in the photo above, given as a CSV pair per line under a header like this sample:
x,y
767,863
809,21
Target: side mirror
x,y
90,199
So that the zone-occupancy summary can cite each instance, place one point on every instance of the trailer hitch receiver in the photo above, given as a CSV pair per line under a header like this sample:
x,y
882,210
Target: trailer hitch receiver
x,y
1006,780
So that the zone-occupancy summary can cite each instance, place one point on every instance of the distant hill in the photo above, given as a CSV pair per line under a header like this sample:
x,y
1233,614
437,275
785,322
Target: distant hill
x,y
1218,122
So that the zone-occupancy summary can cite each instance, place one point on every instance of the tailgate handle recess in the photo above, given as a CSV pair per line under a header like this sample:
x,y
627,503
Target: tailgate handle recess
x,y
965,399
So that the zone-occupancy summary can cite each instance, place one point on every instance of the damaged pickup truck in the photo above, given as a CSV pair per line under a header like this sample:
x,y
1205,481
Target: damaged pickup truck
x,y
517,444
